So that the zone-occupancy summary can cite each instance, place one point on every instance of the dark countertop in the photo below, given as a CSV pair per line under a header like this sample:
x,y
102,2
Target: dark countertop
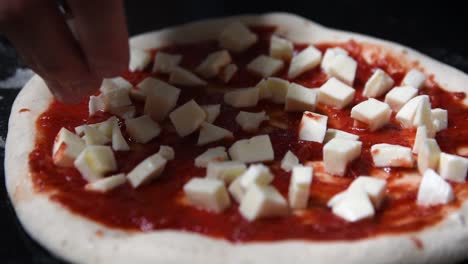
x,y
436,30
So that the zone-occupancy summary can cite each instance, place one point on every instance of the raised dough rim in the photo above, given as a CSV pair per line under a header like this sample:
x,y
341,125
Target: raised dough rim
x,y
81,240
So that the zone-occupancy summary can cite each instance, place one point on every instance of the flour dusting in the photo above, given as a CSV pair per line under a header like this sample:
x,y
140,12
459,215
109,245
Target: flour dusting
x,y
18,80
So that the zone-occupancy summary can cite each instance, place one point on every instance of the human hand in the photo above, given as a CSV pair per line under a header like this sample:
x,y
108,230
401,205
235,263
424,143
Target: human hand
x,y
72,67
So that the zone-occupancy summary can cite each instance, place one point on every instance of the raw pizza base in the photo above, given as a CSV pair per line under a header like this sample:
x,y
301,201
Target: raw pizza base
x,y
78,239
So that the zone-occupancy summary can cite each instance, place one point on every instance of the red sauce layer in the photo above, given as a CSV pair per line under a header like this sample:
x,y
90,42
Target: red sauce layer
x,y
161,205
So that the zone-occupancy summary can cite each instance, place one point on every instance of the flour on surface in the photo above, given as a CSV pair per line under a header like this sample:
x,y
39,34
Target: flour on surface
x,y
18,80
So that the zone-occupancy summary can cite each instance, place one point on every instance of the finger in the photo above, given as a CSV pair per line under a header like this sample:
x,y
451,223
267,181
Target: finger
x,y
40,33
103,34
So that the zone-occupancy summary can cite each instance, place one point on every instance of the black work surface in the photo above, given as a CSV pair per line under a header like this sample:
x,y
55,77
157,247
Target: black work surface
x,y
439,31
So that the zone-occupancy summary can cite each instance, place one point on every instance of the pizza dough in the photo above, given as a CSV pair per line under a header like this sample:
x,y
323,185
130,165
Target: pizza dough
x,y
78,239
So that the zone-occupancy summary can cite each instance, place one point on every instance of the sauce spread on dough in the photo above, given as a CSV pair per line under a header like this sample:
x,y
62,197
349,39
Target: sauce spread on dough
x,y
161,205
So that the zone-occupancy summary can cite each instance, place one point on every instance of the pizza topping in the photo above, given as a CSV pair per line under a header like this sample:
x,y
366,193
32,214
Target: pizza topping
x,y
106,184
278,89
93,136
255,174
237,37
433,190
265,66
439,119
213,63
147,170
338,153
226,171
313,127
453,167
281,48
378,84
423,116
428,155
407,114
414,78
262,201
335,93
67,147
330,55
375,188
299,187
264,91
211,111
142,129
421,136
255,149
344,68
289,161
243,97
165,63
124,112
118,141
183,77
161,100
208,194
211,155
372,112
139,59
399,96
95,104
306,60
300,98
187,118
95,161
120,82
250,122
228,72
166,152
210,133
388,155
115,98
336,133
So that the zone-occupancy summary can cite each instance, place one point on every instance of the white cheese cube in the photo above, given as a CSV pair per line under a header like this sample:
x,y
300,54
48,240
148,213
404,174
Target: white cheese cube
x,y
355,205
261,201
278,89
210,133
428,156
378,84
236,190
423,116
453,167
148,85
121,82
116,98
344,68
139,59
264,92
227,171
414,78
166,152
243,97
439,119
124,112
265,66
300,98
187,118
147,170
255,149
165,63
313,127
256,174
106,184
213,63
95,104
161,100
107,85
236,37
67,147
250,122
387,155
299,187
305,60
95,161
118,141
335,93
207,194
330,55
228,72
142,129
372,112
374,187
421,136
104,127
338,153
93,136
406,114
433,190
211,111
399,96
211,155
281,48
289,161
335,133
183,77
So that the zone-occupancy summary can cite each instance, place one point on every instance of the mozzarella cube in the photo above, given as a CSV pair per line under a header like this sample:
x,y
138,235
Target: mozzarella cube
x,y
264,91
423,116
250,122
399,96
166,152
118,141
148,85
243,97
414,78
281,48
236,190
278,89
213,63
161,100
124,112
142,129
330,55
139,59
313,127
107,85
421,136
335,133
335,93
255,174
344,68
207,194
406,114
236,37
265,66
428,156
439,119
67,147
262,201
255,149
289,161
228,72
95,161
305,60
147,170
116,98
433,190
387,155
121,82
227,171
355,205
104,127
453,167
299,187
374,188
106,184
187,118
95,104
338,153
211,155
183,77
211,111
300,98
372,112
378,84
93,136
165,63
210,133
